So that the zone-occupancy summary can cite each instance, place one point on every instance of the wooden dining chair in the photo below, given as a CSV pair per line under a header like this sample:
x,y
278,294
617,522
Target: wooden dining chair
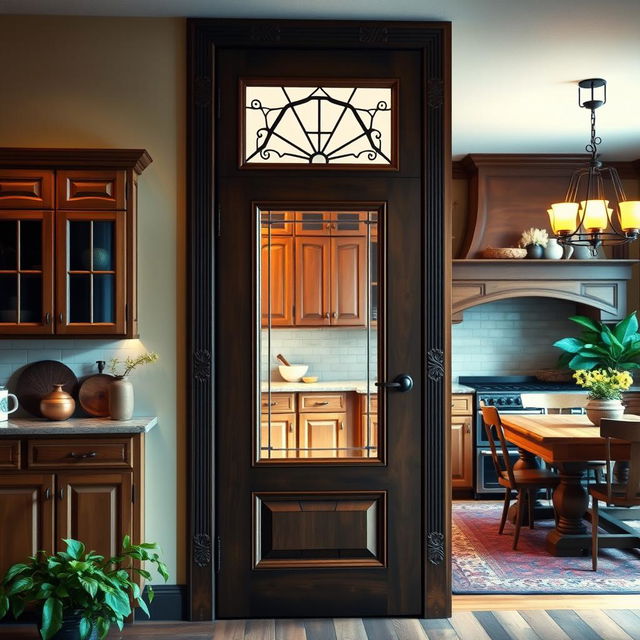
x,y
624,494
564,403
525,482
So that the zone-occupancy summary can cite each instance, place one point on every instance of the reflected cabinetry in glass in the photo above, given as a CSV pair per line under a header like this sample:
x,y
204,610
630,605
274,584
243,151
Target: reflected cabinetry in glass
x,y
68,241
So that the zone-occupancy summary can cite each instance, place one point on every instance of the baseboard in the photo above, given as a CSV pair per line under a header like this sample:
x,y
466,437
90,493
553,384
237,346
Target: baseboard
x,y
169,603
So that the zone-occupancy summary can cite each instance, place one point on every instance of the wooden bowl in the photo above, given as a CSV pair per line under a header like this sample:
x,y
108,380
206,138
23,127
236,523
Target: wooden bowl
x,y
504,253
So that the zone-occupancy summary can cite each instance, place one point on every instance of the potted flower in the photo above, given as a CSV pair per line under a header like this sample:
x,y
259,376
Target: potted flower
x,y
121,390
80,593
601,347
605,392
534,241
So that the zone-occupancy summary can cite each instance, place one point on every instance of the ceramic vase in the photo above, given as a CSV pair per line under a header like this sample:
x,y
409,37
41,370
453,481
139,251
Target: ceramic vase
x,y
534,251
582,253
568,251
121,399
598,409
57,405
553,251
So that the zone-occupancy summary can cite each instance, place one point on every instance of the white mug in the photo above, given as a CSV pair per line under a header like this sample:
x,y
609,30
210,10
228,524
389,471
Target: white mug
x,y
4,404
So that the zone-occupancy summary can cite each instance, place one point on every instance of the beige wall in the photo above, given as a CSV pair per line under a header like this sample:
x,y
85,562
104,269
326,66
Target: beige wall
x,y
111,82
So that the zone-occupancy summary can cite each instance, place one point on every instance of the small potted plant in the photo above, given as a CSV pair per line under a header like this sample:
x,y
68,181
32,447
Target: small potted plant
x,y
121,390
534,241
605,392
80,593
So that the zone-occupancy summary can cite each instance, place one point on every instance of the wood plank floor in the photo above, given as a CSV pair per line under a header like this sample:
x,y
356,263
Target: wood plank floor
x,y
526,624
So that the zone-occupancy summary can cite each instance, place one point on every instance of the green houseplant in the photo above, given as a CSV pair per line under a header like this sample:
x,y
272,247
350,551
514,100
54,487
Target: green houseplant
x,y
601,347
82,589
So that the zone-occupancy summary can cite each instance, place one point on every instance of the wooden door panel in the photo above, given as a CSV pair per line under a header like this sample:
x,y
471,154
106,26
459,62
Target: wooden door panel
x,y
95,508
321,433
283,436
348,281
277,281
26,511
330,529
26,189
313,281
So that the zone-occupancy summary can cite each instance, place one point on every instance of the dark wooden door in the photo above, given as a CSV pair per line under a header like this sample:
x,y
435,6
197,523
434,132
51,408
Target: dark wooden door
x,y
328,534
359,533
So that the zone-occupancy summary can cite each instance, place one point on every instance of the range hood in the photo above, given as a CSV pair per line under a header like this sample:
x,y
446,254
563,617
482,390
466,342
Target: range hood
x,y
599,287
508,193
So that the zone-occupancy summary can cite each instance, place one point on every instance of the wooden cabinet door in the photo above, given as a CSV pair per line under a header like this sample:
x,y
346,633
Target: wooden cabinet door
x,y
96,508
369,435
321,434
26,272
277,281
461,452
348,280
91,189
313,272
90,272
26,514
26,189
283,435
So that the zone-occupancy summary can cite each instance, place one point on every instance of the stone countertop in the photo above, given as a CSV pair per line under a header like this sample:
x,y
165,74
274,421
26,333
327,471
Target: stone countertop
x,y
359,386
461,388
76,426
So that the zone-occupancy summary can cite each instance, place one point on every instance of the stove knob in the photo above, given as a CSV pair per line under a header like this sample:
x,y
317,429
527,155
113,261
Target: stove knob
x,y
509,400
501,401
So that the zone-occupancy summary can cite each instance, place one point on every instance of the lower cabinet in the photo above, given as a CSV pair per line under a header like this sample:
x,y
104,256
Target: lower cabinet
x,y
282,440
80,491
322,435
462,441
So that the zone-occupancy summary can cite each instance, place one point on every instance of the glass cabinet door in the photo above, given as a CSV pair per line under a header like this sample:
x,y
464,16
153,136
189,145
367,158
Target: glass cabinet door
x,y
26,272
90,272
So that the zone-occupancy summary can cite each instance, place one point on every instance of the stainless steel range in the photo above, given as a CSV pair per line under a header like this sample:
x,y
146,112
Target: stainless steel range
x,y
503,392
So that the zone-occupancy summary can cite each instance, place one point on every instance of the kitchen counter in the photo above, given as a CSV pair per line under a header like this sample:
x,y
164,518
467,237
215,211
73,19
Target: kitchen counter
x,y
359,386
76,426
461,388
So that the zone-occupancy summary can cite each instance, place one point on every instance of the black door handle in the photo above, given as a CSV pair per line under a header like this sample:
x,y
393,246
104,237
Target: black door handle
x,y
402,383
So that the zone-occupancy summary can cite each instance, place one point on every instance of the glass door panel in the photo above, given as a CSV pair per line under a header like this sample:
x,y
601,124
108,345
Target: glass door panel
x,y
323,407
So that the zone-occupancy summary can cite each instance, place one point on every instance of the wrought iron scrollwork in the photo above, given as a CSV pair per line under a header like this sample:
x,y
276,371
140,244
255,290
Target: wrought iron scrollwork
x,y
318,125
202,550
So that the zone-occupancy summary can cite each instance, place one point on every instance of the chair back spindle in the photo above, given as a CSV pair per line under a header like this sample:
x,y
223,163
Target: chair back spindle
x,y
628,430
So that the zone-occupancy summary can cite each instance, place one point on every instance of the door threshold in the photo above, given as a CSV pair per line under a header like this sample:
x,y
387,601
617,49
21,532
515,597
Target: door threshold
x,y
492,602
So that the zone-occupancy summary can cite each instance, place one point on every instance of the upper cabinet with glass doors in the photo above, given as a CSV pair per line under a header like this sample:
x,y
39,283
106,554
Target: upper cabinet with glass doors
x,y
68,241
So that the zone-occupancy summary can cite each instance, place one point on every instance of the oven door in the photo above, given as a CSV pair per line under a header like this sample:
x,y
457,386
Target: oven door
x,y
486,478
481,435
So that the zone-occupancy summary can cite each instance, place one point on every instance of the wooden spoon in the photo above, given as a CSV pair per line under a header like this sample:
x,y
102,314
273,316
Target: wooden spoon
x,y
283,360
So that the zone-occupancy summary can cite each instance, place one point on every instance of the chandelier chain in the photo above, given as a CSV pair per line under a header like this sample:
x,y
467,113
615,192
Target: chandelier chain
x,y
592,147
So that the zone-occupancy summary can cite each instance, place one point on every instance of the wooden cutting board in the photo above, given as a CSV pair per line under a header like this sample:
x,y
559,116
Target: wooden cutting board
x,y
94,395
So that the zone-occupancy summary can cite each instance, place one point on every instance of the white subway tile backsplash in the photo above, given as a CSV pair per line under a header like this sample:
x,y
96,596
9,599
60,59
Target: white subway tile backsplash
x,y
510,337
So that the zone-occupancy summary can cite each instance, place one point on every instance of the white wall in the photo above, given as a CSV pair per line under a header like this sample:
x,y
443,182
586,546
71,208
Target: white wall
x,y
510,337
111,82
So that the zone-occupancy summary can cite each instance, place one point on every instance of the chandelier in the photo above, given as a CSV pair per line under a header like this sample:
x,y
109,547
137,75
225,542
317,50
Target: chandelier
x,y
595,210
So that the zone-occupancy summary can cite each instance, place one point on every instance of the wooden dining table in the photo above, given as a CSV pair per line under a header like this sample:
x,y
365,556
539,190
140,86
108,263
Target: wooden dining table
x,y
569,442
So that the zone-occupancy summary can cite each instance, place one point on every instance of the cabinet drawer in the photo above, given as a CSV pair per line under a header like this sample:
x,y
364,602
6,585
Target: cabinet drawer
x,y
9,454
86,189
461,405
26,189
279,403
323,401
79,454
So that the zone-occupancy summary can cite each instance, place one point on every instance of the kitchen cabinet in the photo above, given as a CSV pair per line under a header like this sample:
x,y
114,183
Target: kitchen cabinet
x,y
86,488
462,441
314,269
68,241
316,423
369,424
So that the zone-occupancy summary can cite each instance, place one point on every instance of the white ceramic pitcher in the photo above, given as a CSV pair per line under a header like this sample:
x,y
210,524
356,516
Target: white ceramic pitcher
x,y
4,404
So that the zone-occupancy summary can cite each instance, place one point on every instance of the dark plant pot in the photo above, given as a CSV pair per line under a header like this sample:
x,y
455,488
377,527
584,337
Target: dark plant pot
x,y
70,629
534,251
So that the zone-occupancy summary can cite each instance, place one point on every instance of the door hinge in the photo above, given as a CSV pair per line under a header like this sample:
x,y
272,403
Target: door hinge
x,y
133,493
219,222
218,554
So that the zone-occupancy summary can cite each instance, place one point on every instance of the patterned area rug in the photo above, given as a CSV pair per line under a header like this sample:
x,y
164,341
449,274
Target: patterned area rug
x,y
484,562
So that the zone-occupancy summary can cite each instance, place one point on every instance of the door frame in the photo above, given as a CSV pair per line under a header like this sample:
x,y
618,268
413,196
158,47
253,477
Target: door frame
x,y
433,40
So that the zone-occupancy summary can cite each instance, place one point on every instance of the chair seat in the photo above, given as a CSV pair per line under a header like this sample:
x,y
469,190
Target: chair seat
x,y
618,495
530,478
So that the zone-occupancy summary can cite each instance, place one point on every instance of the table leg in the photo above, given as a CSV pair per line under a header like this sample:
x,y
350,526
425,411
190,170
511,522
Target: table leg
x,y
571,501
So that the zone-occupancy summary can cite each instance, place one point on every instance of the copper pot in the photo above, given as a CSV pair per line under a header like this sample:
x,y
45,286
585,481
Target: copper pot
x,y
58,404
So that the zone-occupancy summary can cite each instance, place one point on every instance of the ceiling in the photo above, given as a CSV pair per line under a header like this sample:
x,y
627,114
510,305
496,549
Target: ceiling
x,y
515,62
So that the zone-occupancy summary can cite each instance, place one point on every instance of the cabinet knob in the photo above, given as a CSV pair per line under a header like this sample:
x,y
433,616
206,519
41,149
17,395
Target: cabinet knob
x,y
47,317
335,314
468,426
326,315
61,493
47,494
341,425
60,316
